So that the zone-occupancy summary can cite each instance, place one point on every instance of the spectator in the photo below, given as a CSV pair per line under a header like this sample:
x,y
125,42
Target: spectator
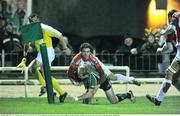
x,y
129,51
20,15
5,13
20,12
150,46
62,59
11,40
128,47
148,49
2,31
12,44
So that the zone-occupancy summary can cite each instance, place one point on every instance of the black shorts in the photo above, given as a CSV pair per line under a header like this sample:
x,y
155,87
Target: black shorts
x,y
106,85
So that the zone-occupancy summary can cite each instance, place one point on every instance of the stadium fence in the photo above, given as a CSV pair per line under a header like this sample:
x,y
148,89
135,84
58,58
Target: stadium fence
x,y
137,63
56,68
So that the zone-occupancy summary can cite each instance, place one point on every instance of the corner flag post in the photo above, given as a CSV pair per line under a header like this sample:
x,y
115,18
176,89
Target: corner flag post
x,y
47,73
33,32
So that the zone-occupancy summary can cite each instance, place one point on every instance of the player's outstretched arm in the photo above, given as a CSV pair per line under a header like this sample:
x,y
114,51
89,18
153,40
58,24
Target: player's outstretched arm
x,y
22,65
89,94
167,48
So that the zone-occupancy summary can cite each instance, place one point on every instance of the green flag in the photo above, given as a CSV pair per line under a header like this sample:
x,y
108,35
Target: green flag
x,y
32,32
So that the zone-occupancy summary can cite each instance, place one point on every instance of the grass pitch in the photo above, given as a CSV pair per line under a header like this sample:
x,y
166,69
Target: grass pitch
x,y
99,105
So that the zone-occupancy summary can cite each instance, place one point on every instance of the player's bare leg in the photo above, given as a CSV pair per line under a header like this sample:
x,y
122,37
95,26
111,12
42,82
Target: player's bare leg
x,y
172,69
119,97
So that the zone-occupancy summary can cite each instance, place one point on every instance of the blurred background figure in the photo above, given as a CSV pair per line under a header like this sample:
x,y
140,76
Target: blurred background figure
x,y
11,43
129,51
61,58
128,47
148,50
5,11
150,46
21,12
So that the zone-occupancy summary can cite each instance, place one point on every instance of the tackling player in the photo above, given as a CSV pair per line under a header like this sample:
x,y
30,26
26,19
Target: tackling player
x,y
173,33
90,78
86,57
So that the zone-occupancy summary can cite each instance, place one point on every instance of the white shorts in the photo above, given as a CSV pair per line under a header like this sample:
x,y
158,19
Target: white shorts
x,y
51,55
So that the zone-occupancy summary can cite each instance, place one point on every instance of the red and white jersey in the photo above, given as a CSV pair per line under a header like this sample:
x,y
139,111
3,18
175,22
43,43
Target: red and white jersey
x,y
175,26
78,60
170,37
176,23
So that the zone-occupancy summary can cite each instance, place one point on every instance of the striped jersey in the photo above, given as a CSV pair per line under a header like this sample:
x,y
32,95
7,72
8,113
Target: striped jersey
x,y
93,77
92,60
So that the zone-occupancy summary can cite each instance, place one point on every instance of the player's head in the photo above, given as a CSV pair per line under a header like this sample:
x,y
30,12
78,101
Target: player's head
x,y
34,18
86,49
170,14
86,45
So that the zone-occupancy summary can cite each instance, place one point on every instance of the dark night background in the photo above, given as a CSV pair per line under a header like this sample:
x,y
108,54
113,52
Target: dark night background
x,y
104,23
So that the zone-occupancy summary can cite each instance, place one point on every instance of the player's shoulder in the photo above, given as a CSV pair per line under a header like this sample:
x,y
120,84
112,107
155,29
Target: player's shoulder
x,y
45,26
48,28
93,58
176,15
77,57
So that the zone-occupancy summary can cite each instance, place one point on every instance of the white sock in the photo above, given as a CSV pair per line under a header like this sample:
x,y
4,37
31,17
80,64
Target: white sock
x,y
163,89
121,77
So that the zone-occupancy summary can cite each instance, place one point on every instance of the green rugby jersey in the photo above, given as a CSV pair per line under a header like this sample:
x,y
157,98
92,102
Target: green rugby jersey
x,y
93,77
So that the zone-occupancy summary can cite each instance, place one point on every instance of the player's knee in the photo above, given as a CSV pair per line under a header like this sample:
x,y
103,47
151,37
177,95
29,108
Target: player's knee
x,y
169,74
112,98
113,101
38,64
